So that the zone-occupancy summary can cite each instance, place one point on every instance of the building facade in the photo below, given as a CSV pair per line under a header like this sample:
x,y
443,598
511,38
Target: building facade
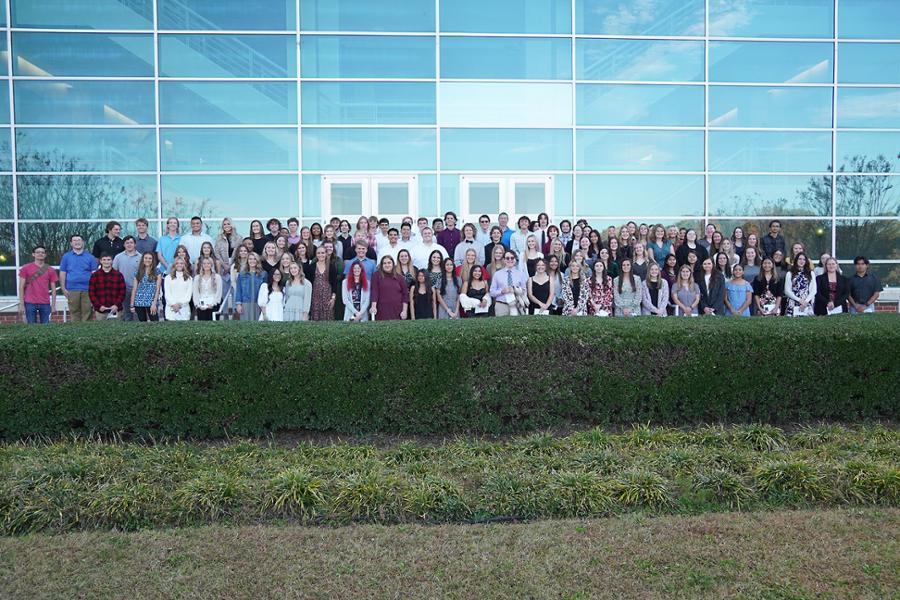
x,y
672,111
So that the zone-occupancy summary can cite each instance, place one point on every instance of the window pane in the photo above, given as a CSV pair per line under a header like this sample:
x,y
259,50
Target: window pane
x,y
868,107
873,19
4,102
868,151
346,199
505,58
648,195
772,18
876,240
367,56
227,56
3,48
61,150
778,195
85,102
814,234
648,17
507,16
368,103
6,197
868,196
769,107
393,199
639,60
219,196
774,151
513,149
623,150
530,198
228,102
513,104
771,62
367,15
427,194
5,150
228,149
82,14
665,105
484,198
869,63
82,55
8,278
369,149
231,15
86,196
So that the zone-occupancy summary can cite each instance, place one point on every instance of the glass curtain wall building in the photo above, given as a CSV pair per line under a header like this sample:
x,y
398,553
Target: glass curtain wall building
x,y
674,111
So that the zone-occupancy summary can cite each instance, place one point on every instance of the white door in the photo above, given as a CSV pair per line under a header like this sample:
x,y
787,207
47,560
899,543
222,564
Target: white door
x,y
515,195
351,196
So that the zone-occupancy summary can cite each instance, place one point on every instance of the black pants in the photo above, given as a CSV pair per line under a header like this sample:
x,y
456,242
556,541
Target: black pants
x,y
143,314
206,315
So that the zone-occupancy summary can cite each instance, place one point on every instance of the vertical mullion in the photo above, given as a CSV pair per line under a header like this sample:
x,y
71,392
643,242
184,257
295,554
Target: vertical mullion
x,y
834,108
706,116
159,192
12,141
299,125
574,204
437,108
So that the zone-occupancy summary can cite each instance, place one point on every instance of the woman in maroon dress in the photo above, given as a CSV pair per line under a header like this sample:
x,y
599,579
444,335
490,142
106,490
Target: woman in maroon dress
x,y
389,298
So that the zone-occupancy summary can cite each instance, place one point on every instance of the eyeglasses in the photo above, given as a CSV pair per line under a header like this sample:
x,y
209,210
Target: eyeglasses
x,y
509,258
484,222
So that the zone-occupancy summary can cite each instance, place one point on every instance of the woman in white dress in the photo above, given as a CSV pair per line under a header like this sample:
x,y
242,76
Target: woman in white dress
x,y
179,288
297,295
271,298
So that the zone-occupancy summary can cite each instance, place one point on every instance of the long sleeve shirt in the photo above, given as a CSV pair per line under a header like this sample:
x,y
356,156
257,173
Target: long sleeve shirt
x,y
771,244
106,288
459,254
449,238
505,278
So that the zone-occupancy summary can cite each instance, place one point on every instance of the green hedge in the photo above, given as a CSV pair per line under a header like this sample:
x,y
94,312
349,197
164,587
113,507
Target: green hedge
x,y
209,380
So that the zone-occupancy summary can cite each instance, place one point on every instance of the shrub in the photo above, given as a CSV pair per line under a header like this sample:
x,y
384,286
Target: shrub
x,y
208,380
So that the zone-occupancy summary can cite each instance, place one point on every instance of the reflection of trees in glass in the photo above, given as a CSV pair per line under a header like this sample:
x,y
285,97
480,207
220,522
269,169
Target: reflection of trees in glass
x,y
7,258
82,197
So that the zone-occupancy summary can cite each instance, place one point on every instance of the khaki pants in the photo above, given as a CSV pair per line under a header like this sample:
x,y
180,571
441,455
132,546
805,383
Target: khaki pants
x,y
80,308
99,316
501,309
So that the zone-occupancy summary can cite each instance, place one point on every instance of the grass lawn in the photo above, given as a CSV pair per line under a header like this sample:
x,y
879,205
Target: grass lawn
x,y
848,553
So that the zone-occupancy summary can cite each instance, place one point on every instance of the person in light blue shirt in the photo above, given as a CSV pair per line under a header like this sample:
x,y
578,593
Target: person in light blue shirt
x,y
508,285
75,270
167,244
362,246
738,293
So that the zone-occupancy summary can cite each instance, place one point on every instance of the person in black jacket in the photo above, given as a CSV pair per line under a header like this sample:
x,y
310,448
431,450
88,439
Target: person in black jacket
x,y
712,289
832,290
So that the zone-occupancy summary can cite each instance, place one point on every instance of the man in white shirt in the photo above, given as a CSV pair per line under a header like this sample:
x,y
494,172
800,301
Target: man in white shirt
x,y
483,231
194,240
407,238
423,249
381,234
392,247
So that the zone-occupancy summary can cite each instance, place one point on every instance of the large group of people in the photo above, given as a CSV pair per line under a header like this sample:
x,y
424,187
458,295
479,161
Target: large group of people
x,y
437,270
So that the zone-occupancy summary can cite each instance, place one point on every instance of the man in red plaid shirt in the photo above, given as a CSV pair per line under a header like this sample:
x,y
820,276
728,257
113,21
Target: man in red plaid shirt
x,y
107,290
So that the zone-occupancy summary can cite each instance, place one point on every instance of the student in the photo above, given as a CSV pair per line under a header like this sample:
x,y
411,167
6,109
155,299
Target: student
x,y
640,262
37,288
110,243
143,241
297,294
574,240
503,223
356,294
165,247
726,248
800,288
284,264
468,242
74,277
565,232
773,240
737,243
390,245
712,289
612,268
865,288
495,239
475,297
470,260
207,292
540,227
293,237
541,290
326,285
669,270
249,280
558,250
483,233
362,248
496,261
405,268
421,253
447,294
555,272
658,245
628,291
271,298
575,292
594,245
685,293
600,302
508,287
723,265
269,259
552,234
273,225
195,239
421,297
751,263
316,234
182,253
178,289
832,290
767,288
656,292
529,258
738,294
690,245
389,293
107,290
145,289
258,236
126,263
707,242
227,241
518,239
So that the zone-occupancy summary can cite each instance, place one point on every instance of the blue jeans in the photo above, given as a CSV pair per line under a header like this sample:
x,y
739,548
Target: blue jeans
x,y
37,313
